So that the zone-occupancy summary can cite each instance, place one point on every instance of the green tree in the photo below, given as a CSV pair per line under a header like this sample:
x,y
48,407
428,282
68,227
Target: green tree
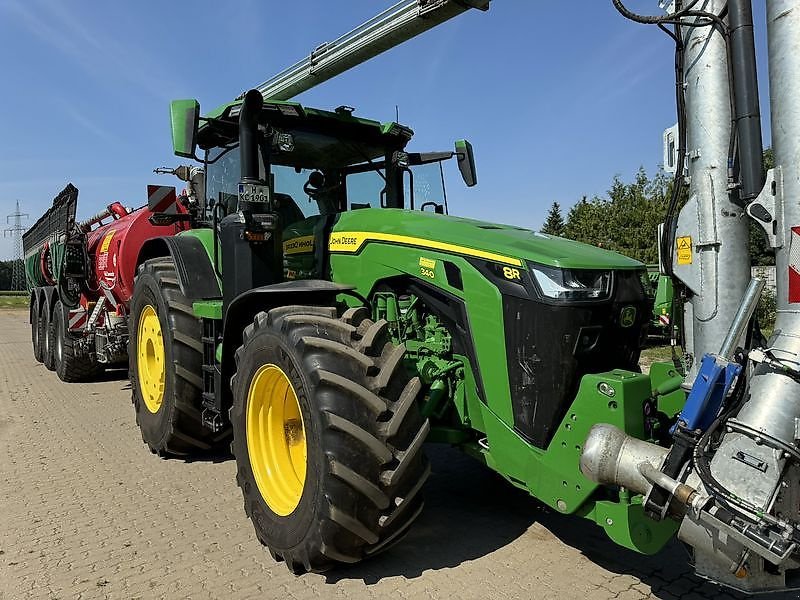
x,y
769,160
635,210
554,223
625,221
585,222
6,270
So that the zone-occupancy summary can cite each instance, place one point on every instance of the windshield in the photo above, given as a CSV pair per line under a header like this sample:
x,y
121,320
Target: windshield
x,y
365,190
222,181
222,176
328,189
424,185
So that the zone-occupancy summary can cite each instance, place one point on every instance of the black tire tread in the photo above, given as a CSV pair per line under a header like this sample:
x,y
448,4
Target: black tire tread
x,y
72,367
407,501
186,434
375,446
372,434
48,350
375,403
37,328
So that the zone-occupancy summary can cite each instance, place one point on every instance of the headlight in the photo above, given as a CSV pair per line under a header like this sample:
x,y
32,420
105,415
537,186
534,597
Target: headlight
x,y
572,284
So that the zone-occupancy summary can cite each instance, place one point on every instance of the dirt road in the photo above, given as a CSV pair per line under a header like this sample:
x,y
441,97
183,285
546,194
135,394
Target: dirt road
x,y
87,512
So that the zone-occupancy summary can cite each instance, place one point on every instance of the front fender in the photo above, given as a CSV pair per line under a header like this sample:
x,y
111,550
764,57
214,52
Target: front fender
x,y
243,309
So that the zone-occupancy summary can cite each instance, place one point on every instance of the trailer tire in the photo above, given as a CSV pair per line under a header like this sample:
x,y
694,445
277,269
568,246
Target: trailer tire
x,y
37,329
70,365
167,389
48,354
339,387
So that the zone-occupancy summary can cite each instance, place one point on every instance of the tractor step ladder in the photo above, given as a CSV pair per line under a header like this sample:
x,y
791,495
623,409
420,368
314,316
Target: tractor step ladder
x,y
210,415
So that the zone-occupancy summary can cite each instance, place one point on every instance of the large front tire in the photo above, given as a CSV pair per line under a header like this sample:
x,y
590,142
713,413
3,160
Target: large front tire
x,y
165,364
327,436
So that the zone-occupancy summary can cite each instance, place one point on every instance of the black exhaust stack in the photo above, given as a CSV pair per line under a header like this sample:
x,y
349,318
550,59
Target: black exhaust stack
x,y
747,117
248,135
250,238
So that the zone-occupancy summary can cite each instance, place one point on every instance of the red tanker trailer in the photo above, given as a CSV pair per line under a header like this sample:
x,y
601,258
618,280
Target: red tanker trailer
x,y
81,274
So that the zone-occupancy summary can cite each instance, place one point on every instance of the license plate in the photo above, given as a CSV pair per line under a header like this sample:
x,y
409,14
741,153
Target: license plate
x,y
254,192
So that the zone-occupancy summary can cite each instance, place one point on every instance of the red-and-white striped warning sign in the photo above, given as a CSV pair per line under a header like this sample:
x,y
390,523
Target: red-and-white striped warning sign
x,y
664,320
794,265
77,318
160,198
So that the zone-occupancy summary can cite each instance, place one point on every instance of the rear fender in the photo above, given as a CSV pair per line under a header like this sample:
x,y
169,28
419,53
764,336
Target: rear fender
x,y
196,276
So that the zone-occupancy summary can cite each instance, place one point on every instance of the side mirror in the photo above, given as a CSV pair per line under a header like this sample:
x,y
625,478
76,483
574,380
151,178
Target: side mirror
x,y
185,119
466,162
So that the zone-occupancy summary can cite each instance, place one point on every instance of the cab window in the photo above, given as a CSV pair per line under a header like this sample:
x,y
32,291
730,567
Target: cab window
x,y
365,190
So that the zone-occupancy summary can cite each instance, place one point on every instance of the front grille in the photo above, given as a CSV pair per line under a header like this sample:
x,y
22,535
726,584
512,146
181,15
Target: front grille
x,y
549,347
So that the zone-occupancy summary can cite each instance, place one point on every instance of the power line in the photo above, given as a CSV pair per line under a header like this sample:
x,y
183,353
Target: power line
x,y
16,230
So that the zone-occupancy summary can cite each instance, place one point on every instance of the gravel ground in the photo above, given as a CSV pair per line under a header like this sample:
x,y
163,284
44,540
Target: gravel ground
x,y
87,512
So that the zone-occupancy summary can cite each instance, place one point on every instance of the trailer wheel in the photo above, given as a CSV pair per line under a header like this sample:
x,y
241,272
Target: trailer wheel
x,y
327,436
48,354
165,364
37,329
70,365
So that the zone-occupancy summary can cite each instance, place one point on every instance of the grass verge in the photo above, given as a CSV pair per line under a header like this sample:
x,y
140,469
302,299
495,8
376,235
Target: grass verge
x,y
13,300
653,354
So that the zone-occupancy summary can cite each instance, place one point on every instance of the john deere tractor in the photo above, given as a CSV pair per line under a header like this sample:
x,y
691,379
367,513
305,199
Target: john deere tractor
x,y
327,312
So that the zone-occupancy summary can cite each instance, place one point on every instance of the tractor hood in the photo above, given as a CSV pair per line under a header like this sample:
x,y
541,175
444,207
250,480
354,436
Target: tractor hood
x,y
500,243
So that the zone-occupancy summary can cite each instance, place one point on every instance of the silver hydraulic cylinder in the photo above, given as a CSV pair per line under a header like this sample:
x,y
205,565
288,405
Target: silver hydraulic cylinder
x,y
768,425
774,403
741,521
710,255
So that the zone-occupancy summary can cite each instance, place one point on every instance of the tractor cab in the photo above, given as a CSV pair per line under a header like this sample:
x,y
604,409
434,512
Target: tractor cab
x,y
316,164
333,259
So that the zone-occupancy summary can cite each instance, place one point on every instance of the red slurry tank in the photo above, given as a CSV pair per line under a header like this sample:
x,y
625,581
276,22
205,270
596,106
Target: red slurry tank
x,y
114,248
81,278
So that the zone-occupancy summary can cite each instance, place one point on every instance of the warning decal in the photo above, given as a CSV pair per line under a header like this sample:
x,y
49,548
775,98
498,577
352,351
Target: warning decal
x,y
684,247
107,241
794,266
428,263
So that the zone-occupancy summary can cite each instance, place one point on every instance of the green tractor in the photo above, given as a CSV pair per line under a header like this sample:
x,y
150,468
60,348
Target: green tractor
x,y
322,309
326,312
661,293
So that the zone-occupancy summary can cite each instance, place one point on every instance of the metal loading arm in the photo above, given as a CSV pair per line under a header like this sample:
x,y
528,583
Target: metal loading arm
x,y
386,30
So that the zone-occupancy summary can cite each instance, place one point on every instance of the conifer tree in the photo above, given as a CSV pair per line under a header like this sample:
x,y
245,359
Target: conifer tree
x,y
554,223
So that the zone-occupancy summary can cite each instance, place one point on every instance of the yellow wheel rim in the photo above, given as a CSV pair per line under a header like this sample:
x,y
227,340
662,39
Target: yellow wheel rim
x,y
276,439
150,359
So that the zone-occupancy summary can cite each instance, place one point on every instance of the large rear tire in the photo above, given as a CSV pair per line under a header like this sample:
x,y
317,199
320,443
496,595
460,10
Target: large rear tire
x,y
327,436
37,329
70,365
48,354
165,365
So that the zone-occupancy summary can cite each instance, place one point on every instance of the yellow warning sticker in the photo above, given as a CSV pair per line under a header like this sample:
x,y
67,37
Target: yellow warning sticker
x,y
684,247
107,241
299,245
428,263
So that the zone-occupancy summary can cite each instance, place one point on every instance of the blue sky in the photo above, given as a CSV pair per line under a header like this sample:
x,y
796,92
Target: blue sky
x,y
556,97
